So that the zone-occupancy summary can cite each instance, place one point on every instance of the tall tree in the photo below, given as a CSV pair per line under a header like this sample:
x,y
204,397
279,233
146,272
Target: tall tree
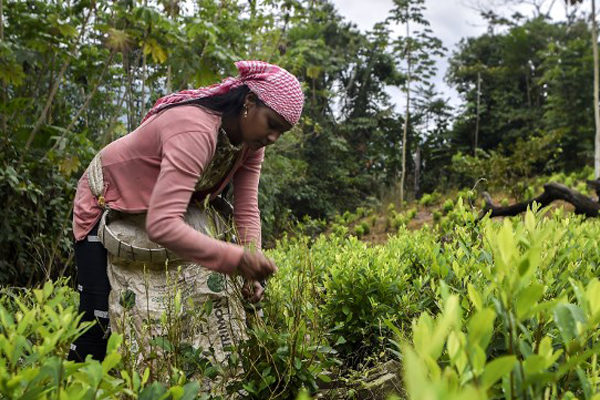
x,y
415,52
595,87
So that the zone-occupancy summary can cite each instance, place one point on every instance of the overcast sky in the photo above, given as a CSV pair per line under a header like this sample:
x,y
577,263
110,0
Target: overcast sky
x,y
450,21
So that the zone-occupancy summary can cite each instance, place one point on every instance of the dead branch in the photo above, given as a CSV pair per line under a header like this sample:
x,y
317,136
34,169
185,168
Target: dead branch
x,y
552,191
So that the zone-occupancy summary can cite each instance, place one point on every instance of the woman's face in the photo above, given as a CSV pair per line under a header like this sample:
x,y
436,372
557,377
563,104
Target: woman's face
x,y
261,126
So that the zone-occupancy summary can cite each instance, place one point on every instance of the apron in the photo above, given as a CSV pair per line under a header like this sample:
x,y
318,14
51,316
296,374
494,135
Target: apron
x,y
171,311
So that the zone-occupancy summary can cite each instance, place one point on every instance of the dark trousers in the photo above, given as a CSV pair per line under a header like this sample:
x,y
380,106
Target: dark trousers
x,y
93,287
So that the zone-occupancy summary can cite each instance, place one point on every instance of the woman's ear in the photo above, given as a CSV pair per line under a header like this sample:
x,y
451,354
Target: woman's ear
x,y
250,100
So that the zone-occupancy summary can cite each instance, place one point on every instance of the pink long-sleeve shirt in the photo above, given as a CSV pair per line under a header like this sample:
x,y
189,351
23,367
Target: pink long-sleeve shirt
x,y
154,169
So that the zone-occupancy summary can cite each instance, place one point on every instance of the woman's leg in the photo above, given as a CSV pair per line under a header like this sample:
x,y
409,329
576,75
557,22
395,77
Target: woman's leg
x,y
93,287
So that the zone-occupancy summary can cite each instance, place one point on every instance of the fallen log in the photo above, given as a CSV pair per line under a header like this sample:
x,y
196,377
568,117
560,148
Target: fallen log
x,y
552,191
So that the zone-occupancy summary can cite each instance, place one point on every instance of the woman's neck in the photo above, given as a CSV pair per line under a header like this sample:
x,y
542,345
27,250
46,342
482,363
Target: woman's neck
x,y
232,129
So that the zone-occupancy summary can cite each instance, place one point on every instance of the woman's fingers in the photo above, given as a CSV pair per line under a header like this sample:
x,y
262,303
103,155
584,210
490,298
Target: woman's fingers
x,y
253,291
255,266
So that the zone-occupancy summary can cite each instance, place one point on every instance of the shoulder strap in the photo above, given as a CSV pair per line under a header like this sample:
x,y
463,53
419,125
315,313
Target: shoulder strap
x,y
96,179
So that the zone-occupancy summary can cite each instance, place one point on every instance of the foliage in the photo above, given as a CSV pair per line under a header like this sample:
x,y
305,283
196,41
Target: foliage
x,y
535,78
77,75
529,158
397,220
479,308
36,228
496,308
279,363
529,328
415,52
429,198
37,329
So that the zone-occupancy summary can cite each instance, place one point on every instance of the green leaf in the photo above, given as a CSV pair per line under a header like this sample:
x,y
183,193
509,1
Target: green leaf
x,y
93,373
481,327
190,391
211,372
474,297
110,361
527,299
592,295
155,391
175,392
496,369
534,364
313,71
67,30
114,342
566,317
163,343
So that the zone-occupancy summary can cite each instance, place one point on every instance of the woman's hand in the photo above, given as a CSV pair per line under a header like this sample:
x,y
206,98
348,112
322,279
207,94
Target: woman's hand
x,y
254,266
253,291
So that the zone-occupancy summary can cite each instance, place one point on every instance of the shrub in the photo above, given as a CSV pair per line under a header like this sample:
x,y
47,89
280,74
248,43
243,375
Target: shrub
x,y
523,328
502,171
373,220
348,217
361,212
339,230
359,230
365,227
529,193
38,327
311,226
398,221
35,232
447,206
429,198
391,208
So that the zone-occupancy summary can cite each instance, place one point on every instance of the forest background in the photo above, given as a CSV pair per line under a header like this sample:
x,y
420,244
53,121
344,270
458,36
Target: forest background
x,y
75,75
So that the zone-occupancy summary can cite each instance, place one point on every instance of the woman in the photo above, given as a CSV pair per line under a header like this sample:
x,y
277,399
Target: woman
x,y
159,168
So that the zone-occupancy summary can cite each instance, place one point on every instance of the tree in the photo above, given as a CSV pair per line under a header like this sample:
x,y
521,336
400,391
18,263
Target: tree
x,y
415,52
567,75
513,98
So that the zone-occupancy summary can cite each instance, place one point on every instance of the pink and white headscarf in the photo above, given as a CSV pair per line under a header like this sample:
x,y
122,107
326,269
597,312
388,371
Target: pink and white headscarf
x,y
273,85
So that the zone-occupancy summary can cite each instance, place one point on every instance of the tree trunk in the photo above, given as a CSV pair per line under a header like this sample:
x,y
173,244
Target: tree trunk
x,y
143,96
407,114
84,106
3,114
417,187
168,79
42,118
552,191
596,109
477,118
128,91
